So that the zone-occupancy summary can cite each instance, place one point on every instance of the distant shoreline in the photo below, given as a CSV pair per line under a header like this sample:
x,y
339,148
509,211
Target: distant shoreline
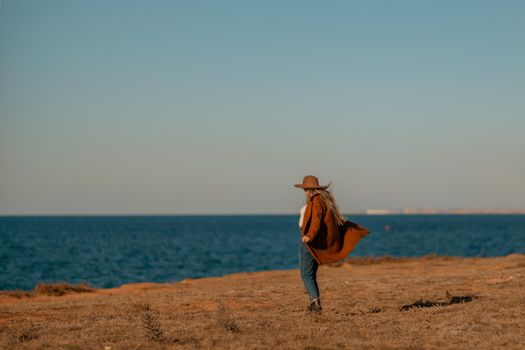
x,y
410,211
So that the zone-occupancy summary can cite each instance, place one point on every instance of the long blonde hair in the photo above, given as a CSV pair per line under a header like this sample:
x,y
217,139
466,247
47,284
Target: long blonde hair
x,y
328,200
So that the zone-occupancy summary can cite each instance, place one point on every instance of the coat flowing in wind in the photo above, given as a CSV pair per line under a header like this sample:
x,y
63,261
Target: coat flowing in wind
x,y
329,242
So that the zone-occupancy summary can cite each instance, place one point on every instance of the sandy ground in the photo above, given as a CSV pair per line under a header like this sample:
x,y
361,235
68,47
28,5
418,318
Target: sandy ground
x,y
266,310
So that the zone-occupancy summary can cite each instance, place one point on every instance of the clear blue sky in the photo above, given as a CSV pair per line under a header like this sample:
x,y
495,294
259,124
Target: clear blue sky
x,y
221,106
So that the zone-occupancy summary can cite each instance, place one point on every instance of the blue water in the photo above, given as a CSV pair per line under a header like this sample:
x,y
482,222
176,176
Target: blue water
x,y
108,251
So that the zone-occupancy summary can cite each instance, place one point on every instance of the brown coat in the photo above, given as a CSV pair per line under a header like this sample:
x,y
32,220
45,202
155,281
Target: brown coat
x,y
329,242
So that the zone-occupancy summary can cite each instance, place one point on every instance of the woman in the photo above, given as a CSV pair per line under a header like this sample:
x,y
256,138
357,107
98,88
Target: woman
x,y
326,236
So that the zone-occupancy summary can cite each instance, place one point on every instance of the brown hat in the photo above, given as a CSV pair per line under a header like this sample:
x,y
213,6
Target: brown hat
x,y
310,181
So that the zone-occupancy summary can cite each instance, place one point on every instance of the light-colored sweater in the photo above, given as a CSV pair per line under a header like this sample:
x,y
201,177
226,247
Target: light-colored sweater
x,y
302,215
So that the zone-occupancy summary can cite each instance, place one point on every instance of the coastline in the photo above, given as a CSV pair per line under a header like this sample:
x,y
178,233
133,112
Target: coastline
x,y
362,301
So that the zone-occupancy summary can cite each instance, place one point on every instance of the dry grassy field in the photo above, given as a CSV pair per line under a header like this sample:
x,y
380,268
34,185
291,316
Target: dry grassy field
x,y
367,305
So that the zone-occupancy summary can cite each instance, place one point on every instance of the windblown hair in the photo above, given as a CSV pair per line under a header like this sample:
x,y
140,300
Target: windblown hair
x,y
327,198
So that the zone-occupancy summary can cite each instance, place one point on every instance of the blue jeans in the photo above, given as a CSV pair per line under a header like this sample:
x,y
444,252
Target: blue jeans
x,y
308,266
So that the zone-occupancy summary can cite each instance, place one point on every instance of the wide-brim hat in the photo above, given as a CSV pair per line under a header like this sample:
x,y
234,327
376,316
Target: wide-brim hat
x,y
310,181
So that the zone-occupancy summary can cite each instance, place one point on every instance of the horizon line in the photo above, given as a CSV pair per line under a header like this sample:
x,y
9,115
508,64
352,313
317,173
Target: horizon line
x,y
367,212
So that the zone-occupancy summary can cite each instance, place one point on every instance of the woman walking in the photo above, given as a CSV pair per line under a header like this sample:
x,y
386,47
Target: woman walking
x,y
326,236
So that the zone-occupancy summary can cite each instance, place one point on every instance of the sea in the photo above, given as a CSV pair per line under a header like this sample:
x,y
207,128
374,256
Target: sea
x,y
108,251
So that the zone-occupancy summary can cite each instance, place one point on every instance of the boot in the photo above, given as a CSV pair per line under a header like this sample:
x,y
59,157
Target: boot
x,y
315,306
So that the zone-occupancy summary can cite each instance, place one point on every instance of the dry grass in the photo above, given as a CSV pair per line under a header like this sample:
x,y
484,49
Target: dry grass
x,y
17,293
451,299
266,310
61,288
149,321
225,319
55,289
